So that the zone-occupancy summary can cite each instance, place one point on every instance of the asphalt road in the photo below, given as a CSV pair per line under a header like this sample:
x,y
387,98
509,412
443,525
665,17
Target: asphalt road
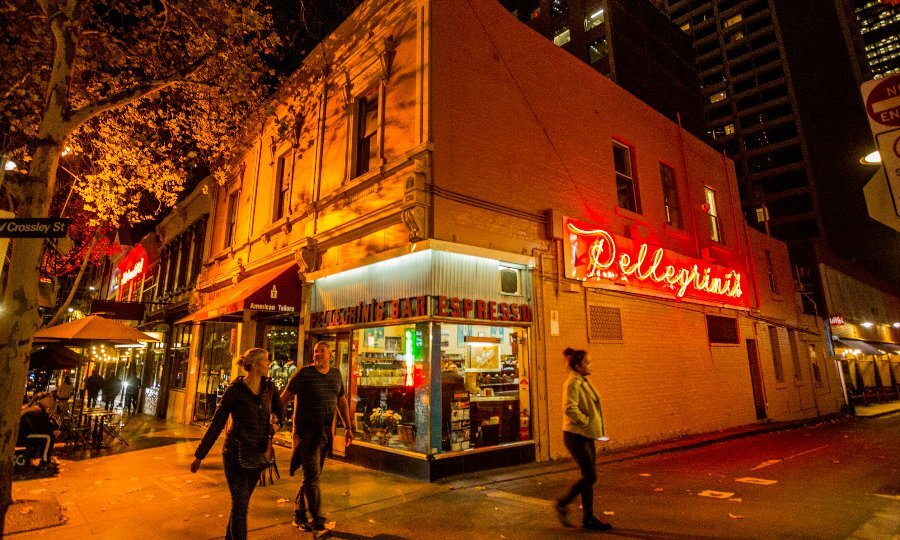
x,y
838,479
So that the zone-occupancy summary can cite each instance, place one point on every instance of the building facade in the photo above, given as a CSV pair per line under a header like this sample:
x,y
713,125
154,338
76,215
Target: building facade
x,y
879,29
418,203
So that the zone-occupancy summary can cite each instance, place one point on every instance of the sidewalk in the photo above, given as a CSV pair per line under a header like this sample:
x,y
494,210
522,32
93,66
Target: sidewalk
x,y
153,492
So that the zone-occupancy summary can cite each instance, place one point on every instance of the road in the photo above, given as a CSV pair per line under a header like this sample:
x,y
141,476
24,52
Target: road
x,y
838,479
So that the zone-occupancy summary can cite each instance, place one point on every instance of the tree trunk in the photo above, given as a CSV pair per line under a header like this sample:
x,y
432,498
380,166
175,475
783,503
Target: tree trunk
x,y
19,317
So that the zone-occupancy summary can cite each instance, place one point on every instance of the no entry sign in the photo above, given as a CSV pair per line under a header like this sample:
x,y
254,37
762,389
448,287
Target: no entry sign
x,y
882,100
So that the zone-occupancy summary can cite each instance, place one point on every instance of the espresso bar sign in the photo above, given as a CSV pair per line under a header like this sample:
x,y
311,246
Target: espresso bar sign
x,y
418,306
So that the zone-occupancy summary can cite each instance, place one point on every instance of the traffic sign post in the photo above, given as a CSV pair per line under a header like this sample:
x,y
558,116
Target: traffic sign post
x,y
882,100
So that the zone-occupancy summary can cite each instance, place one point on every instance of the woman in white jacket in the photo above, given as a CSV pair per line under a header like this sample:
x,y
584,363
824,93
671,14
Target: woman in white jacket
x,y
582,426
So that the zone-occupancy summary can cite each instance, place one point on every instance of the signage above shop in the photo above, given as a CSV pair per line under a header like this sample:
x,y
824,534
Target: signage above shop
x,y
598,257
132,265
133,272
836,320
418,306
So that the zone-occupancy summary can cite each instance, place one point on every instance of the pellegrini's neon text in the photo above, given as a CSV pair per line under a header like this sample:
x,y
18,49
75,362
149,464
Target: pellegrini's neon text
x,y
604,259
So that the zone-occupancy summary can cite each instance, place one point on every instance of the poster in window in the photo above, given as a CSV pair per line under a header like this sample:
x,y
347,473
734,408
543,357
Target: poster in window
x,y
374,338
483,357
393,344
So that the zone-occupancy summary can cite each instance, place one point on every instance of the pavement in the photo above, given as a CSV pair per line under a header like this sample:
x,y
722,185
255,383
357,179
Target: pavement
x,y
146,489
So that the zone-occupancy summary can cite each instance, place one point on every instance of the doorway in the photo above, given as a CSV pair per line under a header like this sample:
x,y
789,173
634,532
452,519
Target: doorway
x,y
759,395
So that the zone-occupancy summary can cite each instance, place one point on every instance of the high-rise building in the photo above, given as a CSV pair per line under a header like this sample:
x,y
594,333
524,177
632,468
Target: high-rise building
x,y
782,99
629,42
879,28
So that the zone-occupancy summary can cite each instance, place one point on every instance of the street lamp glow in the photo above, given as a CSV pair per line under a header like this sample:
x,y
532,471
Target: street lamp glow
x,y
10,165
871,159
896,325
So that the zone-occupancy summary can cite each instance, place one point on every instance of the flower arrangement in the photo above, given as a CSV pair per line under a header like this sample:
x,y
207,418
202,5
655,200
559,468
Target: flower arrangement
x,y
387,420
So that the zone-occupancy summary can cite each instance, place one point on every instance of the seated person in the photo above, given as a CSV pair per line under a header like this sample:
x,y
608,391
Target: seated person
x,y
37,429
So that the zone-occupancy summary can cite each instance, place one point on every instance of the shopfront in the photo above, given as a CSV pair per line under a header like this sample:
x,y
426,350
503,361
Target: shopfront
x,y
434,350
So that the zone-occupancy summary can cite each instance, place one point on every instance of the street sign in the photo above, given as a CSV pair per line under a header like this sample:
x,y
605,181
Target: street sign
x,y
33,227
882,100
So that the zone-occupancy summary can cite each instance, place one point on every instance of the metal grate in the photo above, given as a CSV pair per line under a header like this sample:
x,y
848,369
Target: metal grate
x,y
604,323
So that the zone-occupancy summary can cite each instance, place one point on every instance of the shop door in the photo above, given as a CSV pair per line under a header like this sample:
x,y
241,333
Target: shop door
x,y
759,396
340,359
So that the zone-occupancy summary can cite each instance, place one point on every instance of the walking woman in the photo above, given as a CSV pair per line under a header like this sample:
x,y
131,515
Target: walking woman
x,y
250,402
582,426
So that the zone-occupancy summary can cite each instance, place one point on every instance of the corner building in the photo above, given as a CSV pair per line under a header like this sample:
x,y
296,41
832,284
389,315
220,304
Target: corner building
x,y
418,202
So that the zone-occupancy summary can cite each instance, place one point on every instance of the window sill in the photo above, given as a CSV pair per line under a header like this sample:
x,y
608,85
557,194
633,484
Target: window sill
x,y
624,212
283,225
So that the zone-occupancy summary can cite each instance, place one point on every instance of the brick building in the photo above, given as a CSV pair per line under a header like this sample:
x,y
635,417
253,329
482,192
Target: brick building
x,y
417,202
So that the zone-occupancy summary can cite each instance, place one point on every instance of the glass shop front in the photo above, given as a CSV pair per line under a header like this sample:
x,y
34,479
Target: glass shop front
x,y
438,385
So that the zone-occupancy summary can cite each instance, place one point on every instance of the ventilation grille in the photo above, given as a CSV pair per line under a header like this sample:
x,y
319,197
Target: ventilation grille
x,y
722,329
509,281
604,323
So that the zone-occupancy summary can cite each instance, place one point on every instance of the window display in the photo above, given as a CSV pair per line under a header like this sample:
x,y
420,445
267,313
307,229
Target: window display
x,y
390,386
216,356
485,386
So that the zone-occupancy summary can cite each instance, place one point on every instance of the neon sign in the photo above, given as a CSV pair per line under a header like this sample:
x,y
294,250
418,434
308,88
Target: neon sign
x,y
132,272
598,256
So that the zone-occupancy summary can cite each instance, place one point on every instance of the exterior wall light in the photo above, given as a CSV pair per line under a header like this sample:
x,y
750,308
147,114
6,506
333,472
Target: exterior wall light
x,y
871,159
867,324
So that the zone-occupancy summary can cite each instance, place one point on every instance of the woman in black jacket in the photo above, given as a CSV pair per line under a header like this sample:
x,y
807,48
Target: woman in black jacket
x,y
250,401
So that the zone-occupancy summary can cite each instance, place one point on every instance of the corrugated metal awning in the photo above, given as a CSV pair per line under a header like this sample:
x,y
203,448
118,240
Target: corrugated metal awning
x,y
865,347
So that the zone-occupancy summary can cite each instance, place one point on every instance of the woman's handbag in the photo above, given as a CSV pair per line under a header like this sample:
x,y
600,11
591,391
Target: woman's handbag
x,y
250,458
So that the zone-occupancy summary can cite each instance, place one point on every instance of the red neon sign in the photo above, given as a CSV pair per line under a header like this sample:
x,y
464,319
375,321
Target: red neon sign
x,y
595,255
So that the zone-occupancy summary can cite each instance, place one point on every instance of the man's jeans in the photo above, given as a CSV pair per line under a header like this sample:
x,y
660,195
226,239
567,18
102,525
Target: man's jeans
x,y
312,447
241,484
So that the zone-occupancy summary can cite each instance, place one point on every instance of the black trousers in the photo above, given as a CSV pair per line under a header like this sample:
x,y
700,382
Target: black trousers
x,y
241,484
585,453
312,448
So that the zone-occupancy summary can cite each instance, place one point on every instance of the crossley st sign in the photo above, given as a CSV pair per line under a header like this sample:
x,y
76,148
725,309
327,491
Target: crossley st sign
x,y
600,258
418,306
34,227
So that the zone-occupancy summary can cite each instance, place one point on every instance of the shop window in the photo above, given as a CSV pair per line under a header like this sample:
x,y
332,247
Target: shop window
x,y
770,270
598,50
670,196
231,218
776,354
626,188
562,36
482,401
390,386
367,152
723,330
594,18
604,323
219,347
510,281
282,202
179,353
712,212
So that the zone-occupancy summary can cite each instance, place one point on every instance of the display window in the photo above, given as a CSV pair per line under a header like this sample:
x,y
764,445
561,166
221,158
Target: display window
x,y
281,342
389,386
216,357
485,397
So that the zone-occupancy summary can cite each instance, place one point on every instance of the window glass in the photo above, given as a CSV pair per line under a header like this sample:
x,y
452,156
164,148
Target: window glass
x,y
598,50
281,205
670,196
715,233
625,185
179,353
562,36
231,218
485,399
776,354
367,134
594,18
722,329
771,272
718,96
390,386
558,7
216,355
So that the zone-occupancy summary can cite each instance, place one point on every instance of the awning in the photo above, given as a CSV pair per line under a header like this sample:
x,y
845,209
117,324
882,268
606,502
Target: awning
x,y
865,347
892,348
275,290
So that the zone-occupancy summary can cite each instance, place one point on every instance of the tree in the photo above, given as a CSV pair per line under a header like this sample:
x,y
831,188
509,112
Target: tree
x,y
144,90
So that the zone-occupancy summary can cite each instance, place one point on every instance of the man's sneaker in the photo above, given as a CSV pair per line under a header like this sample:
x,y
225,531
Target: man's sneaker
x,y
324,526
300,520
595,524
562,512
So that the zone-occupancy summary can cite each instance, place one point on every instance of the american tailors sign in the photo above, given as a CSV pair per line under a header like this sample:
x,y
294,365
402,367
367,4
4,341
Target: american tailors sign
x,y
418,306
600,257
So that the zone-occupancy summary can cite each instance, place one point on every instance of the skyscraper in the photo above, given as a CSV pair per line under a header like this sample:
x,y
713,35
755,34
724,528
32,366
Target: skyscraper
x,y
879,28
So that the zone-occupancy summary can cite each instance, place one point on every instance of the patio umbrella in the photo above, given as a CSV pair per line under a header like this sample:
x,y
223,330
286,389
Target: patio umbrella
x,y
91,329
55,357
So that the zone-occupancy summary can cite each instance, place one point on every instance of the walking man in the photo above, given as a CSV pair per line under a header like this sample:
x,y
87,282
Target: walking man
x,y
319,391
93,385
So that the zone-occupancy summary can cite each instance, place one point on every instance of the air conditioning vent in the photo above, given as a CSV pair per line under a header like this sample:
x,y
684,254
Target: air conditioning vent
x,y
509,281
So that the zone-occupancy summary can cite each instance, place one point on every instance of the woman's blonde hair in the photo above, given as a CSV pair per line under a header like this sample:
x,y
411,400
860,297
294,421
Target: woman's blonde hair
x,y
252,356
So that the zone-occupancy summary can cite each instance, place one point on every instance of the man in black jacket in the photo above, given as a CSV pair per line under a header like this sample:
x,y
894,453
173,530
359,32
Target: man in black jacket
x,y
92,386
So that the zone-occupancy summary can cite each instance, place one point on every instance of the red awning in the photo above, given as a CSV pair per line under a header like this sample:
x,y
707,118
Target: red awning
x,y
275,290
